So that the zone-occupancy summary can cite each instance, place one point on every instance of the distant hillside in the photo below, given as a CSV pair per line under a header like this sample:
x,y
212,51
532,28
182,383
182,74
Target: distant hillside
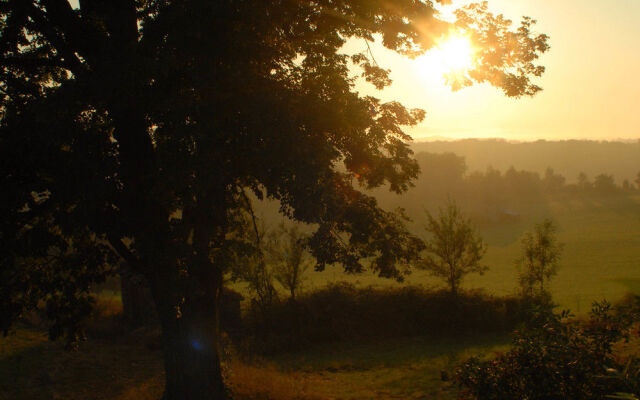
x,y
569,158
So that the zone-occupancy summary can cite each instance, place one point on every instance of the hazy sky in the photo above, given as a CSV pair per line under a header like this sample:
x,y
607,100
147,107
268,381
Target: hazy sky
x,y
591,87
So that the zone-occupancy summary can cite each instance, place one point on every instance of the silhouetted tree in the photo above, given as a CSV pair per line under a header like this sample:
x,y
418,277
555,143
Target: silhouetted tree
x,y
289,258
553,182
133,128
583,182
249,263
522,183
539,260
637,180
454,249
604,183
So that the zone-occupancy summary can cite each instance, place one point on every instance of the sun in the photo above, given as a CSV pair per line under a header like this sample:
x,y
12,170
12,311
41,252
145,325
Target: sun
x,y
453,55
456,53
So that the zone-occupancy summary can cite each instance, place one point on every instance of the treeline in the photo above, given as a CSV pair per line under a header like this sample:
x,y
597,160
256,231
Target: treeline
x,y
568,157
447,173
494,195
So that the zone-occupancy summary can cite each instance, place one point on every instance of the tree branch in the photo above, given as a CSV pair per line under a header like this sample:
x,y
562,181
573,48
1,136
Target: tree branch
x,y
126,253
253,217
26,63
83,38
59,43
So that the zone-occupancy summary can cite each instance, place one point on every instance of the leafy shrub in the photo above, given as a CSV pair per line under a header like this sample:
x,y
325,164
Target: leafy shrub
x,y
554,357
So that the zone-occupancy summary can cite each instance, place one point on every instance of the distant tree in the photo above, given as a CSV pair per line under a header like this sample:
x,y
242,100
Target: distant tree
x,y
539,260
522,183
637,180
626,186
553,182
486,186
604,183
454,249
583,182
288,257
442,173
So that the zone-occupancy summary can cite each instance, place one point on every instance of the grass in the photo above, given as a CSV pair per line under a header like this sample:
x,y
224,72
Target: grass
x,y
124,368
401,369
601,256
31,367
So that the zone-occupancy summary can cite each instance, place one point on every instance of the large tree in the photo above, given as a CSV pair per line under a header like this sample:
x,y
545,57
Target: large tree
x,y
135,128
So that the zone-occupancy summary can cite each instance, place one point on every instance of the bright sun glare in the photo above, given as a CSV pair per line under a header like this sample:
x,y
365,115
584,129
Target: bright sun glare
x,y
452,55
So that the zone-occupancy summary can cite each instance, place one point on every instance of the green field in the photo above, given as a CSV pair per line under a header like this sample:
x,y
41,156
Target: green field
x,y
600,259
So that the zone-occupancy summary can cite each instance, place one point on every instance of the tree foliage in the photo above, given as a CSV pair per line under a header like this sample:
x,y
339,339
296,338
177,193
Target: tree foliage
x,y
512,65
134,127
539,261
604,183
555,358
454,249
289,258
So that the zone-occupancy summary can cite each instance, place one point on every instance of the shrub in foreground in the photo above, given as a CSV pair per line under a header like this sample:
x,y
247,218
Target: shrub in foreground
x,y
553,358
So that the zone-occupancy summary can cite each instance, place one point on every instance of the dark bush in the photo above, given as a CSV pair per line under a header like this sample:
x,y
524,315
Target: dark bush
x,y
343,312
553,357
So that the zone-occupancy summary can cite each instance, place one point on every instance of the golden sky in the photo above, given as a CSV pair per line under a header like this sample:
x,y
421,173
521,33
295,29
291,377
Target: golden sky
x,y
591,87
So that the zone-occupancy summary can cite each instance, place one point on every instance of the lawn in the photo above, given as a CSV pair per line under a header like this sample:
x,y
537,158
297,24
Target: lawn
x,y
126,367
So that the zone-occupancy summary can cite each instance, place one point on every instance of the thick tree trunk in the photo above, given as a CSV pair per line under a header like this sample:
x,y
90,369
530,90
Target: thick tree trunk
x,y
190,342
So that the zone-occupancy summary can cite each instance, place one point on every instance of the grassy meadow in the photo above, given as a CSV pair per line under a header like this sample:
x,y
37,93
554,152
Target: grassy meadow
x,y
128,366
600,258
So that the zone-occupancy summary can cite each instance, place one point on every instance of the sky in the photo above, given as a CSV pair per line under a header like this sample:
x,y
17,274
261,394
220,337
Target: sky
x,y
591,87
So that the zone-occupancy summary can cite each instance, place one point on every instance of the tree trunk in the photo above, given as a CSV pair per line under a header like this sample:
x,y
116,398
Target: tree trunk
x,y
453,283
138,307
190,343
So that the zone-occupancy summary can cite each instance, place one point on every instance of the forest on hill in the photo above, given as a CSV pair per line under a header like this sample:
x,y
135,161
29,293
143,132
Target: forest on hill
x,y
567,157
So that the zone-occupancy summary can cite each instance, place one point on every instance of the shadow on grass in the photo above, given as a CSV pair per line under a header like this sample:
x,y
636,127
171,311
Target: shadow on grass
x,y
390,369
388,353
38,369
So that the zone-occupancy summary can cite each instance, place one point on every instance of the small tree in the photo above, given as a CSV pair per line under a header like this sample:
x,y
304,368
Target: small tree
x,y
248,256
583,182
289,258
605,183
539,260
454,249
